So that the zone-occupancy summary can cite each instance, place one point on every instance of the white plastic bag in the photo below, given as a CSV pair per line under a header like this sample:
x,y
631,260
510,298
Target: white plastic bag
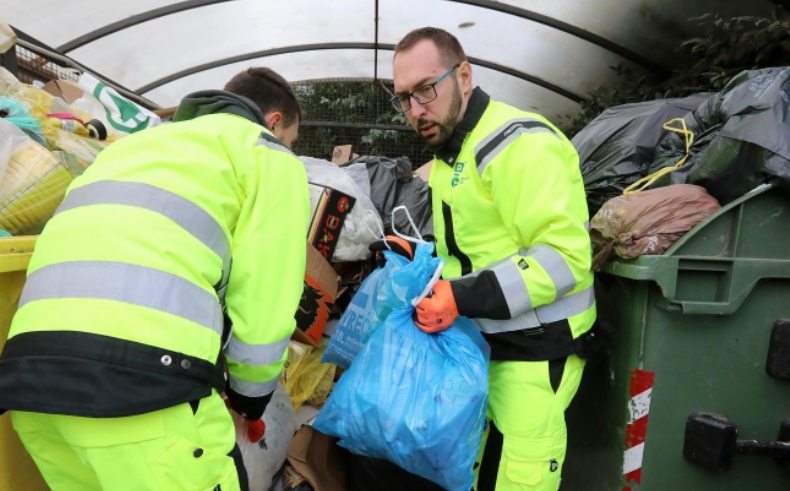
x,y
119,115
359,173
264,459
358,229
11,138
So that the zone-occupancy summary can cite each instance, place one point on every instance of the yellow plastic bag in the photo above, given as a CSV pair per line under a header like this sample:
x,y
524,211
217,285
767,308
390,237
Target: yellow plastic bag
x,y
75,152
33,186
324,388
52,126
303,371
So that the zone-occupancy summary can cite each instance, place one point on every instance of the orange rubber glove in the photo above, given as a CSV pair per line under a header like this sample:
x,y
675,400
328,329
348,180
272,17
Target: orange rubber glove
x,y
438,311
255,428
395,244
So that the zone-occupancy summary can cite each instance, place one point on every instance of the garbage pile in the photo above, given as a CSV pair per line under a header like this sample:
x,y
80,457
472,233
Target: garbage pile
x,y
355,399
353,361
617,148
725,144
49,136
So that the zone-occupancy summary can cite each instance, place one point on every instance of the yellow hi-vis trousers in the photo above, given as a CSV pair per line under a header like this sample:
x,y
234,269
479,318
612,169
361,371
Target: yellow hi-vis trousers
x,y
189,447
525,440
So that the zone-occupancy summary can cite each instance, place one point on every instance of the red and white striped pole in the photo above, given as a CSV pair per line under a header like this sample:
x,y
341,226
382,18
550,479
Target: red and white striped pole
x,y
636,430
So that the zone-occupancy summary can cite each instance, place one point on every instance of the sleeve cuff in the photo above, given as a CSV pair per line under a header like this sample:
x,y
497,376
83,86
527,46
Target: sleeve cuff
x,y
480,296
250,407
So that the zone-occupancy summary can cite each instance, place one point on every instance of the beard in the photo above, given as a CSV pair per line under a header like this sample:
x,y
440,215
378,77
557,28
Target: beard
x,y
444,128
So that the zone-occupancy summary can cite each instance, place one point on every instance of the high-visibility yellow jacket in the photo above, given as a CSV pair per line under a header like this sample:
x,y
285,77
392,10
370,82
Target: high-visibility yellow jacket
x,y
169,231
511,221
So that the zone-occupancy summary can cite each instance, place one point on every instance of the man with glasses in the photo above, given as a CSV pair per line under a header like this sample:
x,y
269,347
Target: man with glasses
x,y
510,221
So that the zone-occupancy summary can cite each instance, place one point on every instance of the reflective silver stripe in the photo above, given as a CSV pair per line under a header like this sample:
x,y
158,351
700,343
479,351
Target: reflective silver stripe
x,y
256,354
527,320
185,213
587,225
485,141
567,307
555,266
504,136
273,143
508,274
563,308
253,389
128,283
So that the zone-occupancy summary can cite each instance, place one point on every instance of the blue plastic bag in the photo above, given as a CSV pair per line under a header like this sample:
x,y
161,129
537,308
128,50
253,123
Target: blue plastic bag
x,y
360,316
415,399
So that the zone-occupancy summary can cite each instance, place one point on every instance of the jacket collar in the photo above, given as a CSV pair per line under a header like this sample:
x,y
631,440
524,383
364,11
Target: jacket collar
x,y
217,101
478,103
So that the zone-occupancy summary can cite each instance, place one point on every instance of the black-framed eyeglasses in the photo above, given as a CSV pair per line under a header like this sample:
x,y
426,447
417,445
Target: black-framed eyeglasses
x,y
423,95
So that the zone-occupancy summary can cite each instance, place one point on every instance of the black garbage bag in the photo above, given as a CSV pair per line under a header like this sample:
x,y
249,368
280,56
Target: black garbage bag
x,y
392,184
367,474
617,148
741,138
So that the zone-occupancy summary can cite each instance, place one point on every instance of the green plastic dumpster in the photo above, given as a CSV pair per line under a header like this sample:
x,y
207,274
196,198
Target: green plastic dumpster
x,y
693,331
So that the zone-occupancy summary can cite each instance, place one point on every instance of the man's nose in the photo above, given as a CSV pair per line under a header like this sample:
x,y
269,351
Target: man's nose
x,y
416,110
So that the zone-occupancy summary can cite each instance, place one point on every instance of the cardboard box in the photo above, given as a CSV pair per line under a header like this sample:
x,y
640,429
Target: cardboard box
x,y
330,214
319,459
341,154
64,90
424,172
320,292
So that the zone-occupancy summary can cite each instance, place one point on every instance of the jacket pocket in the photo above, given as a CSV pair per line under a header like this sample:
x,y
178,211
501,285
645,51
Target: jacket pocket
x,y
532,463
181,465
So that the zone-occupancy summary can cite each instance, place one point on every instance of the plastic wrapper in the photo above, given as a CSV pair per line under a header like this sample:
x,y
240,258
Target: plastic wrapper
x,y
648,222
361,225
617,148
7,37
67,122
16,112
740,138
10,138
33,185
75,152
392,184
37,101
359,173
40,104
415,399
303,371
264,459
324,388
360,316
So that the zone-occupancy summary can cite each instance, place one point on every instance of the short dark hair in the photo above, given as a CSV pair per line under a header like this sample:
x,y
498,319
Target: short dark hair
x,y
450,49
269,91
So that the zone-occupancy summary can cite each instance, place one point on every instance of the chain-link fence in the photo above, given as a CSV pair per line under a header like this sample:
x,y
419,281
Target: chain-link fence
x,y
32,66
32,62
356,113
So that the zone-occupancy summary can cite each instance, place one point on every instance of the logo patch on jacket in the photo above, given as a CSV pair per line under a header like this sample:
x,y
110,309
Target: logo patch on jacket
x,y
457,170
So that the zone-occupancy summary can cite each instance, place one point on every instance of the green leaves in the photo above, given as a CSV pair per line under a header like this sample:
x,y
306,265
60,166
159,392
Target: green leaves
x,y
335,104
721,49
